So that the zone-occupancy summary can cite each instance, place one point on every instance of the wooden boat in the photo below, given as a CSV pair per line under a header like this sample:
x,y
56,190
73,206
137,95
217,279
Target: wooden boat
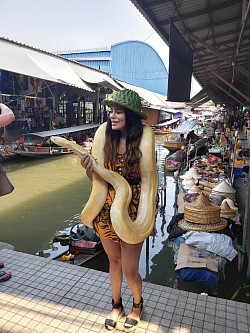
x,y
159,132
70,255
38,144
74,247
172,145
174,161
41,150
172,142
7,153
172,165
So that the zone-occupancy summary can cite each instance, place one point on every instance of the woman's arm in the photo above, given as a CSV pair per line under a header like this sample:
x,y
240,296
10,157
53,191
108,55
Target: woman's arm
x,y
6,115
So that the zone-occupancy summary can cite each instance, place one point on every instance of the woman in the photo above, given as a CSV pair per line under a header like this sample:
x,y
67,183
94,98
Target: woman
x,y
6,117
122,154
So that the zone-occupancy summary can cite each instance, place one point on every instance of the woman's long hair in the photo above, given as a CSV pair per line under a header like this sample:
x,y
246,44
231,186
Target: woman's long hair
x,y
134,130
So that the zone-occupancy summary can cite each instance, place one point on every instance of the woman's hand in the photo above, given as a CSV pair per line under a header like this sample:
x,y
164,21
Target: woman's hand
x,y
86,162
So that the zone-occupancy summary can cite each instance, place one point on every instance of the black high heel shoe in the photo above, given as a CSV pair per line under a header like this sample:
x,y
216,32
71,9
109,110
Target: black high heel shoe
x,y
131,324
110,324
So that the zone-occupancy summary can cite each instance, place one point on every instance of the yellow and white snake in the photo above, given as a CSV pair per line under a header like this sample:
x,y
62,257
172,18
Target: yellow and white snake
x,y
129,231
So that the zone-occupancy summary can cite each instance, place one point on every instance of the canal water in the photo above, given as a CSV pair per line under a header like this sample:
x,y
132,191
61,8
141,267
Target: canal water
x,y
48,198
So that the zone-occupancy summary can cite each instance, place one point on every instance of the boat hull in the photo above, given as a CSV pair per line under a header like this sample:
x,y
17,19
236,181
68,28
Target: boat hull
x,y
172,146
33,151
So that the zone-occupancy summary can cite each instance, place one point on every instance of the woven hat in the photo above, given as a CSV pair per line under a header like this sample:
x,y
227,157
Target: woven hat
x,y
224,187
202,211
189,226
194,173
186,175
188,183
127,99
226,211
230,203
194,189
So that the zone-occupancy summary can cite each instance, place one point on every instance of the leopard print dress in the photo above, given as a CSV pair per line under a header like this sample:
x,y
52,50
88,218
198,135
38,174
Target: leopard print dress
x,y
102,223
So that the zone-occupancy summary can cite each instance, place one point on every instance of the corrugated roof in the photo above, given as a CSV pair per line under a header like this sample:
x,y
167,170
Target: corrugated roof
x,y
218,31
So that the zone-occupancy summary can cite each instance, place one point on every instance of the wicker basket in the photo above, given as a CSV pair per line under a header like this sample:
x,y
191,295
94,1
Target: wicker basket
x,y
202,211
189,226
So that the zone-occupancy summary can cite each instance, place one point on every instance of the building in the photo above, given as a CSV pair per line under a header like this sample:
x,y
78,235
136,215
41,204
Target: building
x,y
133,62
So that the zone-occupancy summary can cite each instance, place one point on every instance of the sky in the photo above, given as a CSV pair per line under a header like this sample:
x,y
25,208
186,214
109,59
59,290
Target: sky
x,y
63,25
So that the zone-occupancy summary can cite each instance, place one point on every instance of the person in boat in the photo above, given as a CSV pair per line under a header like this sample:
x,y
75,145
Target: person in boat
x,y
181,138
123,136
192,137
6,117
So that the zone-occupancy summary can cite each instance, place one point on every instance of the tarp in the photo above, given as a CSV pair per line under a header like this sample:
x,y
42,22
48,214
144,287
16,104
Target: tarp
x,y
66,130
169,122
185,126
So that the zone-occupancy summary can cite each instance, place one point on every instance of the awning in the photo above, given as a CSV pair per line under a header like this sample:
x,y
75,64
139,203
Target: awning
x,y
66,130
21,59
93,76
169,122
185,127
57,68
147,95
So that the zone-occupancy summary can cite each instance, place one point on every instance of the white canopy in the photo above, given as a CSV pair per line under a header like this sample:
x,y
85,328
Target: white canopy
x,y
22,59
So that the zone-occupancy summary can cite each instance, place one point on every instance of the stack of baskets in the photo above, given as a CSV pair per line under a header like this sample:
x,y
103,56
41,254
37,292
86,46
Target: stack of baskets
x,y
202,215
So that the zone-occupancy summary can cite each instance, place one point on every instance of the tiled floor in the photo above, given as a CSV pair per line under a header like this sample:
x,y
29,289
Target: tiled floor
x,y
53,297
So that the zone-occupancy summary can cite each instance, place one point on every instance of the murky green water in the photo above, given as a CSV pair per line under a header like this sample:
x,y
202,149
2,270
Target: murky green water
x,y
48,198
49,195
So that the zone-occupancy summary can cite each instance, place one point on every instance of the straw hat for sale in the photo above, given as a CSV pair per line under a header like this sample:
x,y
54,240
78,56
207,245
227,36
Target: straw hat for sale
x,y
194,173
226,211
224,187
230,203
194,189
202,211
208,184
189,226
202,215
188,183
186,175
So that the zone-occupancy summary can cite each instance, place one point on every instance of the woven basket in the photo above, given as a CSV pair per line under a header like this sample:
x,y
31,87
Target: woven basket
x,y
189,226
202,211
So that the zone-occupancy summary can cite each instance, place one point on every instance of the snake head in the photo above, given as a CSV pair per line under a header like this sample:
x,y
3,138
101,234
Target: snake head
x,y
59,141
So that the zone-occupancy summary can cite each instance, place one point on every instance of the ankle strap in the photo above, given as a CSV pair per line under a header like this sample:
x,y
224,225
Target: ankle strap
x,y
117,305
137,305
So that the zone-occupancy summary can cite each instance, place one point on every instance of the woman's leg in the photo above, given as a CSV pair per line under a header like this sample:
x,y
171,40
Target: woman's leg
x,y
113,251
130,254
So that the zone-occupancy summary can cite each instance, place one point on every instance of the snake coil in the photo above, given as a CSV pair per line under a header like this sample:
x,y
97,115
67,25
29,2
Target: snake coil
x,y
129,231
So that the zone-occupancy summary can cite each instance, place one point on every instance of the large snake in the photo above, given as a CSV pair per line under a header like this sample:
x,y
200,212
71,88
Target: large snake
x,y
129,231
